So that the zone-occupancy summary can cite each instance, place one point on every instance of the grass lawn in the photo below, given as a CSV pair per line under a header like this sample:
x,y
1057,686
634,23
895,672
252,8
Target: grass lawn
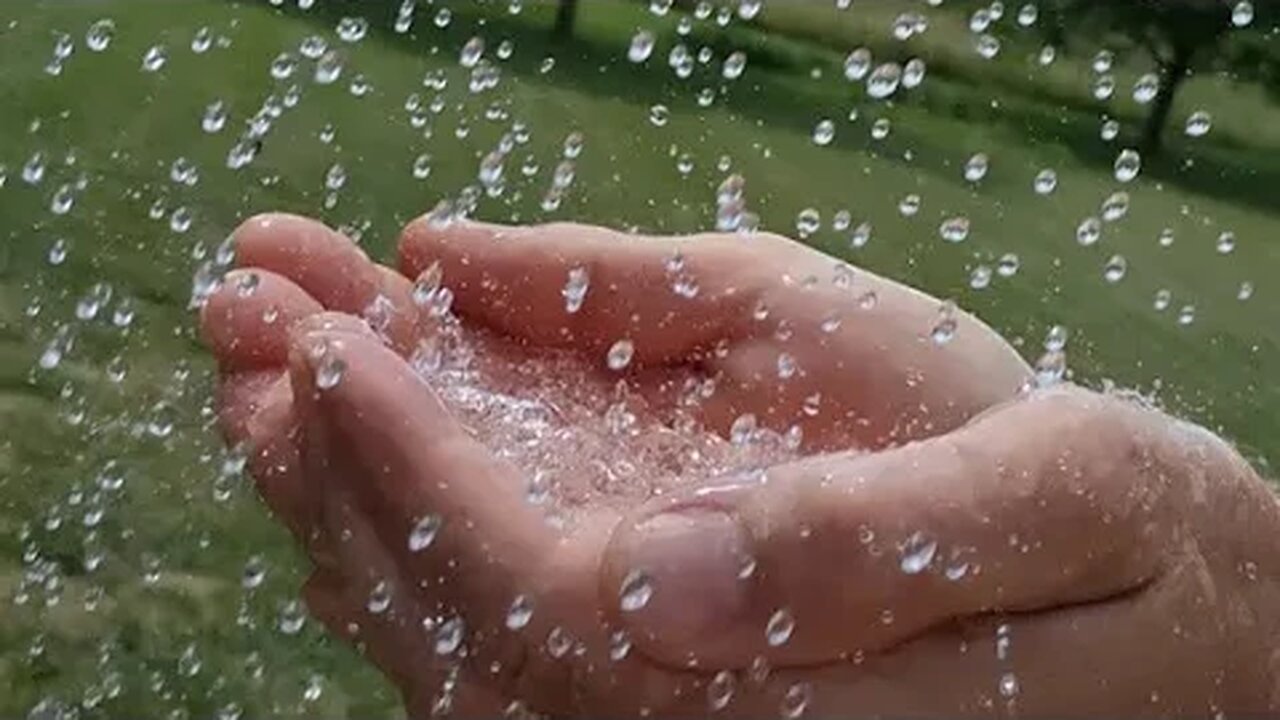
x,y
125,474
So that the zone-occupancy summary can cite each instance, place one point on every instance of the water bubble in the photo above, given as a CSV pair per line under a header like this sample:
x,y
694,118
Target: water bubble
x,y
824,132
635,592
884,80
1226,242
449,635
976,168
1089,231
1146,88
520,612
424,532
913,73
917,553
283,66
1115,206
720,690
779,628
955,229
575,289
1046,182
1115,269
99,35
352,29
1242,14
155,58
620,354
795,702
1127,166
215,117
734,65
291,618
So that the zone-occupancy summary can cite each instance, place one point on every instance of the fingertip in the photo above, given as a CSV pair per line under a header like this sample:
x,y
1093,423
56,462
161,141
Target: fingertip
x,y
246,321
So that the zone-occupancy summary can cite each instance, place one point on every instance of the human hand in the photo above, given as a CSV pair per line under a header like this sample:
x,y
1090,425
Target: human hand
x,y
509,552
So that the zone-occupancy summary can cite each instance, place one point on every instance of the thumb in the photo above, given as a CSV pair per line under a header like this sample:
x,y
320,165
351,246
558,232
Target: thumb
x,y
1050,501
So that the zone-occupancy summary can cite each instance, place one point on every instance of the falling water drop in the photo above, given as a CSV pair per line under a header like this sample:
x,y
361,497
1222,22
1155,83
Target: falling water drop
x,y
620,354
720,690
1127,166
635,592
917,553
780,627
424,532
520,613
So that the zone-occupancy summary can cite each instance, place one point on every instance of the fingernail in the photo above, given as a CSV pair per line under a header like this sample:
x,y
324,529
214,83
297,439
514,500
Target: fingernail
x,y
691,559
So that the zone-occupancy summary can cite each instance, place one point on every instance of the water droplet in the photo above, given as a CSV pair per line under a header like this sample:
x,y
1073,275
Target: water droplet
x,y
620,354
471,52
720,690
749,9
62,200
779,628
980,277
291,618
1199,124
1245,291
575,289
1028,14
1103,61
1110,130
659,115
913,73
33,169
559,642
449,635
202,40
329,372
857,64
945,329
988,46
283,66
1046,182
808,221
619,645
1008,265
255,571
520,613
1242,14
1162,299
424,532
884,80
824,132
743,430
734,65
1008,685
155,58
1127,166
635,592
1089,231
1115,269
917,553
909,205
58,252
1187,315
352,29
215,117
189,662
328,68
976,168
99,35
954,230
1115,206
379,598
1104,86
641,47
1226,242
1047,55
796,700
1146,88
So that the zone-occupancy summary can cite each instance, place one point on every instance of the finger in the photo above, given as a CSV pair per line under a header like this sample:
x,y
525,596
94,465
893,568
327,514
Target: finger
x,y
1057,499
332,269
451,514
246,321
516,280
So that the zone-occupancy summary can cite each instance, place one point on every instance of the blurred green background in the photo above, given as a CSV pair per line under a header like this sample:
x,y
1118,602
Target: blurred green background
x,y
127,532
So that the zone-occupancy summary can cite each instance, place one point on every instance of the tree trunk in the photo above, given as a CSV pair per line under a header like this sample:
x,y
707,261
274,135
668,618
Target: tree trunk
x,y
1172,75
566,15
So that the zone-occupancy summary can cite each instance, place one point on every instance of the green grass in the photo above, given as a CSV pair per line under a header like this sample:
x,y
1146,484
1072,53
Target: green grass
x,y
124,129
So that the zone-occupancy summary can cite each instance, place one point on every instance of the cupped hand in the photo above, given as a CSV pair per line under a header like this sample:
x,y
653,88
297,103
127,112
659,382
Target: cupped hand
x,y
985,569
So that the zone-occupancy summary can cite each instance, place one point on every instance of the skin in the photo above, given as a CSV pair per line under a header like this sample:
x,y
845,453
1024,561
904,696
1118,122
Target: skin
x,y
1093,557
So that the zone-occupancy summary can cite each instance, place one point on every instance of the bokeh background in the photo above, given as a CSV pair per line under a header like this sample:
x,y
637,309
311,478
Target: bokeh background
x,y
140,577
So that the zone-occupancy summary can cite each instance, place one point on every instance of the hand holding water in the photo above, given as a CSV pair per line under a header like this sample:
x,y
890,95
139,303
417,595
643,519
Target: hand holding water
x,y
898,557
